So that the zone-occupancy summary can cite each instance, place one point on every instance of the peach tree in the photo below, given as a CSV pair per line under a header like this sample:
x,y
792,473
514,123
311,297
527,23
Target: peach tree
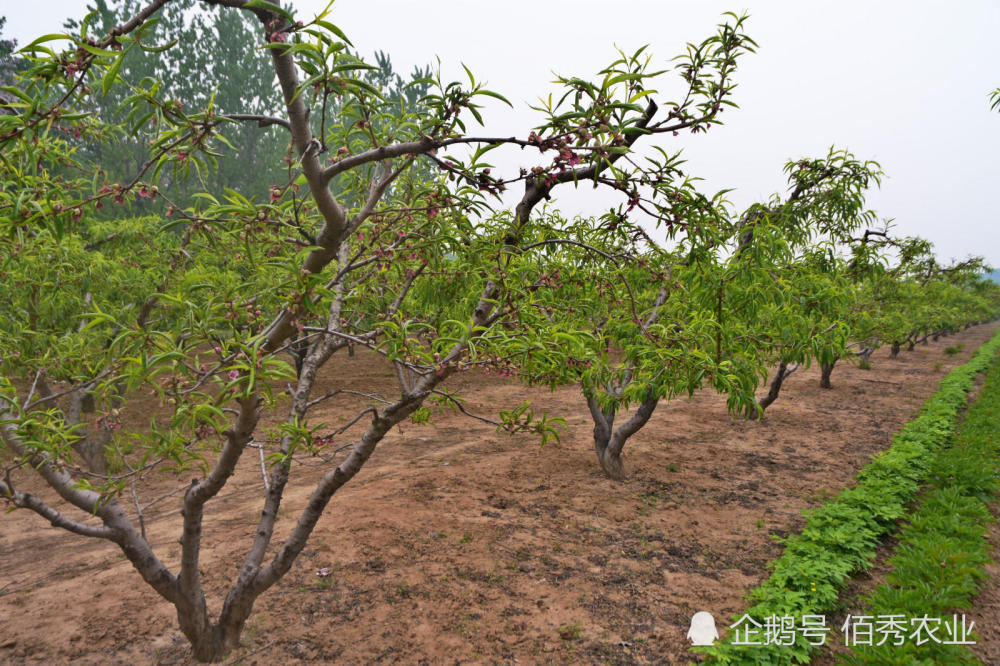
x,y
239,300
719,297
823,210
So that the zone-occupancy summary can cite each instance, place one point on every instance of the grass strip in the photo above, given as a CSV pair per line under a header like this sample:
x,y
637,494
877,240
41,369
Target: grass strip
x,y
840,537
939,565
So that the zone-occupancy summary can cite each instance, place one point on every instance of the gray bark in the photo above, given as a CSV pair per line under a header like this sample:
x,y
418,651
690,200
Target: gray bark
x,y
780,375
826,369
608,442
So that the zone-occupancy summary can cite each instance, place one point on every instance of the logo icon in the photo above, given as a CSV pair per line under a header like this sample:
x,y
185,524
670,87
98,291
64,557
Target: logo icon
x,y
702,631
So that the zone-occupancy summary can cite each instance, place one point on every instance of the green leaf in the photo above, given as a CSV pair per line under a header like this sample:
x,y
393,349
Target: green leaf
x,y
495,95
270,7
99,52
111,74
41,40
334,29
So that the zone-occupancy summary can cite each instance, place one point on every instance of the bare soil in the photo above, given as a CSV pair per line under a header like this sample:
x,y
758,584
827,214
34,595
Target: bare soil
x,y
460,545
987,604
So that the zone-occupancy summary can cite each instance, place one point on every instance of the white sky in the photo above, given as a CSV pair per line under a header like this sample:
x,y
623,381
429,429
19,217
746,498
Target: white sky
x,y
904,83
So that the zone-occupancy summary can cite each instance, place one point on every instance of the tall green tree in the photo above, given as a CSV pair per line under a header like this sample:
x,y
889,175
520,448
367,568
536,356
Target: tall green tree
x,y
222,71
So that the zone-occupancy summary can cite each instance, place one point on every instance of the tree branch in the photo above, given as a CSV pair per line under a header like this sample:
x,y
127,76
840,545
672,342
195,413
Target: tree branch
x,y
261,120
33,503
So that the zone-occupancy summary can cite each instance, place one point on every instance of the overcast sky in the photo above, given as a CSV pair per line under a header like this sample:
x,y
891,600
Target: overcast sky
x,y
903,83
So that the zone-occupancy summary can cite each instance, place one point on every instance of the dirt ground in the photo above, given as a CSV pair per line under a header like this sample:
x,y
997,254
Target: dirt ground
x,y
460,545
987,604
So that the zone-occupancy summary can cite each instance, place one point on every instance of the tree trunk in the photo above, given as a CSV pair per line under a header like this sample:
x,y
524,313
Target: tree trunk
x,y
611,461
826,369
212,643
784,369
895,350
609,443
92,451
910,346
298,348
90,446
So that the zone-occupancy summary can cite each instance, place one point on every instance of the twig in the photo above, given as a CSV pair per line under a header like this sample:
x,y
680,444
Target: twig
x,y
371,396
263,467
31,391
462,409
163,497
74,389
249,654
343,428
262,121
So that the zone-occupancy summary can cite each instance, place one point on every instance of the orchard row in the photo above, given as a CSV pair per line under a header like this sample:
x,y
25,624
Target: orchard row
x,y
385,229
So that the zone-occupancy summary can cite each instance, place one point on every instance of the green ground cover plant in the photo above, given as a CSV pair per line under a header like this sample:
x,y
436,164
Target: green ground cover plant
x,y
840,537
939,565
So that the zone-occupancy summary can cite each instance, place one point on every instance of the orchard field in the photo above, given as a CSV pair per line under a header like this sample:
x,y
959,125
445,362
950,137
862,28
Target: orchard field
x,y
293,369
464,545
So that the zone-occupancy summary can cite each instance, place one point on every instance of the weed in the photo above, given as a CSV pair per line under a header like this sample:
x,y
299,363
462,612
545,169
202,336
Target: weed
x,y
491,578
940,562
808,577
571,632
823,495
